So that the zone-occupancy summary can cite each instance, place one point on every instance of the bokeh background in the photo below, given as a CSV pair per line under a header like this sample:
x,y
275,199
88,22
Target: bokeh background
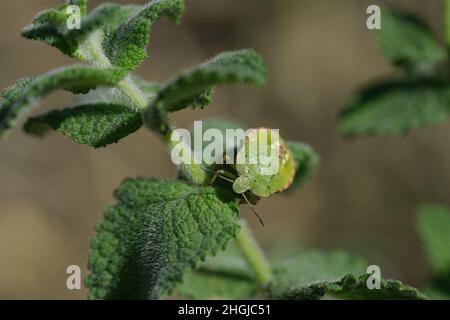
x,y
319,52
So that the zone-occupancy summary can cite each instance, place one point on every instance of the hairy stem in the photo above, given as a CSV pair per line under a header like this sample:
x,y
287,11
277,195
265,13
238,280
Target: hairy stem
x,y
254,255
128,87
92,51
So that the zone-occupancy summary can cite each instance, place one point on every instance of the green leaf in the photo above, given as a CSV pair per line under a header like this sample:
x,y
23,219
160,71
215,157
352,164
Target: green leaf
x,y
76,78
98,118
409,42
111,34
89,41
50,26
155,233
126,47
355,287
307,268
48,34
225,276
219,124
391,108
10,94
313,275
96,125
306,163
193,87
433,224
436,292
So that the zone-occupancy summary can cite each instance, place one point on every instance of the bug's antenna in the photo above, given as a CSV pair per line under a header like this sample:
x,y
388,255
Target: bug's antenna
x,y
253,209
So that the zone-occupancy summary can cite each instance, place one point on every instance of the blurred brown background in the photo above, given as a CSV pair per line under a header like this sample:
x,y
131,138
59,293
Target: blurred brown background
x,y
319,52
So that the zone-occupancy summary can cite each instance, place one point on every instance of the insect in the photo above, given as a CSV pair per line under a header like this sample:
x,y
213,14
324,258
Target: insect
x,y
263,165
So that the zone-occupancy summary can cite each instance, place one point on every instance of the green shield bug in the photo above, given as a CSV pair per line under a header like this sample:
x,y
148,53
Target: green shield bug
x,y
263,165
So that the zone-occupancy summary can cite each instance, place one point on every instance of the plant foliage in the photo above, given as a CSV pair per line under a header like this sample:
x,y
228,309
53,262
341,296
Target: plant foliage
x,y
160,231
418,99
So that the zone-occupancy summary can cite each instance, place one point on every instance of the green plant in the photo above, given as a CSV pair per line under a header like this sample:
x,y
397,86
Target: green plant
x,y
416,98
160,232
419,98
433,223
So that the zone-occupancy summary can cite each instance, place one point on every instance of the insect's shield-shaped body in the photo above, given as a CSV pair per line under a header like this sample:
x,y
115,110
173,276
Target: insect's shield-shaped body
x,y
264,163
257,162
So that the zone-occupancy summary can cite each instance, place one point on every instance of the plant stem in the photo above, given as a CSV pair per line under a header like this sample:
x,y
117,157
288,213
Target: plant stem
x,y
128,87
254,255
92,51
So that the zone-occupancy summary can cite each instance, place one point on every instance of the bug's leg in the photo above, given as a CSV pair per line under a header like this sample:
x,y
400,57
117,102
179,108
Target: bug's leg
x,y
220,174
253,209
228,175
215,176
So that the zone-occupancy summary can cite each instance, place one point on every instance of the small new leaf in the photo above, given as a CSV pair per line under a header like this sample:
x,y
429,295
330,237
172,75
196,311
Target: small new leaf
x,y
194,87
155,233
306,163
434,229
395,107
409,42
433,224
76,78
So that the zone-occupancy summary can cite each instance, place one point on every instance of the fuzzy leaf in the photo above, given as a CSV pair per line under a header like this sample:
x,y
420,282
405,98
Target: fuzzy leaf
x,y
126,47
391,108
355,287
96,29
12,93
98,118
155,233
50,26
306,162
96,125
193,87
409,42
225,276
310,267
312,275
434,229
50,35
76,78
105,19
